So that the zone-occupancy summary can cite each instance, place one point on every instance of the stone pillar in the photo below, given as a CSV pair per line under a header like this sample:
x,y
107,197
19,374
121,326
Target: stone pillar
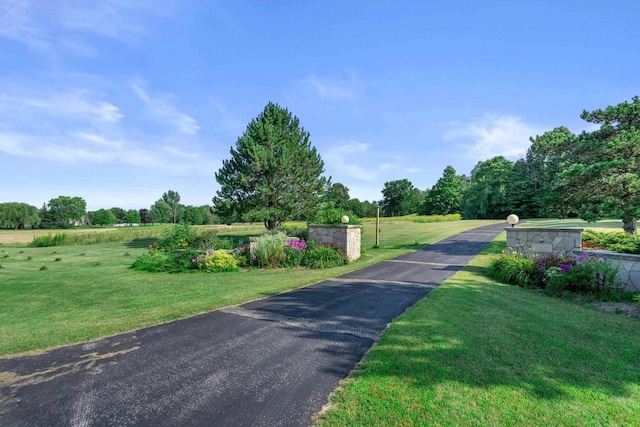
x,y
347,237
544,241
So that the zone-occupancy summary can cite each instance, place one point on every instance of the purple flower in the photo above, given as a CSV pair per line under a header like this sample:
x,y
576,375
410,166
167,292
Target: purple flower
x,y
565,267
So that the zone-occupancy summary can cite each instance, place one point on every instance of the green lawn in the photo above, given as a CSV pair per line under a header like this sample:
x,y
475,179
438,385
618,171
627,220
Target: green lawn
x,y
479,353
92,292
602,225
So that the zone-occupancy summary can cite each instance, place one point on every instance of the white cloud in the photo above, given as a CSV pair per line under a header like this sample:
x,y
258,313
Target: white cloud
x,y
70,104
333,89
160,108
355,159
61,28
493,135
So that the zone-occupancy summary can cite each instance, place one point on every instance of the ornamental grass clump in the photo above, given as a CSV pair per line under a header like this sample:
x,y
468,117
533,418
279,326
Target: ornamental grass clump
x,y
269,250
513,269
324,256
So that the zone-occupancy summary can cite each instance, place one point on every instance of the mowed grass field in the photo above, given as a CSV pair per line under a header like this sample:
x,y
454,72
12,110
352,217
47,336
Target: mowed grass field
x,y
89,291
478,353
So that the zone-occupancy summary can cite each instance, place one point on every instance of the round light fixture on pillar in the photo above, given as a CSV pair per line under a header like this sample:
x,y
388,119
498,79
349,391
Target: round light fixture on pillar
x,y
345,219
513,219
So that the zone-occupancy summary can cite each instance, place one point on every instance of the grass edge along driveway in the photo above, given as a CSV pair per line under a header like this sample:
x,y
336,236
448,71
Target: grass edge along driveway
x,y
89,291
479,353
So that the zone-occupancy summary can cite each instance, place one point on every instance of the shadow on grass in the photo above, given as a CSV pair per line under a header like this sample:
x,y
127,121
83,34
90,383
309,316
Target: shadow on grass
x,y
507,336
141,243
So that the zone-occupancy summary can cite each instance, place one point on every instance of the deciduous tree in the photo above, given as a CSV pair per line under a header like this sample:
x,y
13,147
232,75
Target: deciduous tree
x,y
444,197
64,210
18,215
400,197
486,195
172,198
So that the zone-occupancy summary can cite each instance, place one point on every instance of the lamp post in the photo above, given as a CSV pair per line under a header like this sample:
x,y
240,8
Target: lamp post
x,y
513,220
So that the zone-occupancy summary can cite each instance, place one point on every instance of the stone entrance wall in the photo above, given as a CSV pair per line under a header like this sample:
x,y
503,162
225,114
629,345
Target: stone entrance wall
x,y
544,241
347,237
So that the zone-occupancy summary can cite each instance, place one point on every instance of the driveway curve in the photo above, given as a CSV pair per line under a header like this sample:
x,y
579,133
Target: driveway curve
x,y
271,362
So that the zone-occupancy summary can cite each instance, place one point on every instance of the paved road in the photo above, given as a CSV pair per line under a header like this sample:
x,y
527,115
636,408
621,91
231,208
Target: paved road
x,y
271,362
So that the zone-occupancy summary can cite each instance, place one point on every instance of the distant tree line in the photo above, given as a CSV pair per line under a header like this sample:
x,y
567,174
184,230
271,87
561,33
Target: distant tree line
x,y
67,212
275,174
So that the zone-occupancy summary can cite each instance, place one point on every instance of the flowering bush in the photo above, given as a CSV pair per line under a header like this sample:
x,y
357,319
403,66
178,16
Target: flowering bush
x,y
591,274
588,274
213,261
293,252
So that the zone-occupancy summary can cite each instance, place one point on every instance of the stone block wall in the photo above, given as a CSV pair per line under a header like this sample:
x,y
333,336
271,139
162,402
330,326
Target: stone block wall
x,y
347,237
544,241
629,265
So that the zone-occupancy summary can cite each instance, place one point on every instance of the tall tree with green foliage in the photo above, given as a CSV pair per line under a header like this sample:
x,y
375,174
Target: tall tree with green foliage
x,y
338,194
486,194
400,197
64,211
172,198
119,213
160,212
102,217
132,216
274,174
18,216
599,172
444,197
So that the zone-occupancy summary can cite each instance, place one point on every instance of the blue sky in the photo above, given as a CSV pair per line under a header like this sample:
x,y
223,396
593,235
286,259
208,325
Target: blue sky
x,y
118,101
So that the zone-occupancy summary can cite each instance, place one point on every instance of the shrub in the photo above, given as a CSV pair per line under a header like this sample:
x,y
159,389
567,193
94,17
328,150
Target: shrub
x,y
154,261
616,241
269,250
540,275
294,252
330,214
206,239
173,252
301,232
179,237
512,268
242,255
213,261
324,256
591,274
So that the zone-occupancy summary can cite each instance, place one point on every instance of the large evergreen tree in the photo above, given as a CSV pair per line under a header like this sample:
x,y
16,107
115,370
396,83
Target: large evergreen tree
x,y
274,174
599,172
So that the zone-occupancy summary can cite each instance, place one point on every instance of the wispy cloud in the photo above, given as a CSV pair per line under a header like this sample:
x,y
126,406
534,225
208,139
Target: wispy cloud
x,y
62,28
356,160
493,135
159,107
332,89
70,104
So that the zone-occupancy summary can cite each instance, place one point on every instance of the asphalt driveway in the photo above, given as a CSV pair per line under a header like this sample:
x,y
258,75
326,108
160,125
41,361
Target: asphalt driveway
x,y
271,362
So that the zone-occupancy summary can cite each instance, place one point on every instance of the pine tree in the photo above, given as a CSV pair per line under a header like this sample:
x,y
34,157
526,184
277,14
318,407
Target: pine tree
x,y
274,173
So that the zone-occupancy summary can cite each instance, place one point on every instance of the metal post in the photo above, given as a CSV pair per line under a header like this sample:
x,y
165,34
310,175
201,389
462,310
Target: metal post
x,y
377,228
